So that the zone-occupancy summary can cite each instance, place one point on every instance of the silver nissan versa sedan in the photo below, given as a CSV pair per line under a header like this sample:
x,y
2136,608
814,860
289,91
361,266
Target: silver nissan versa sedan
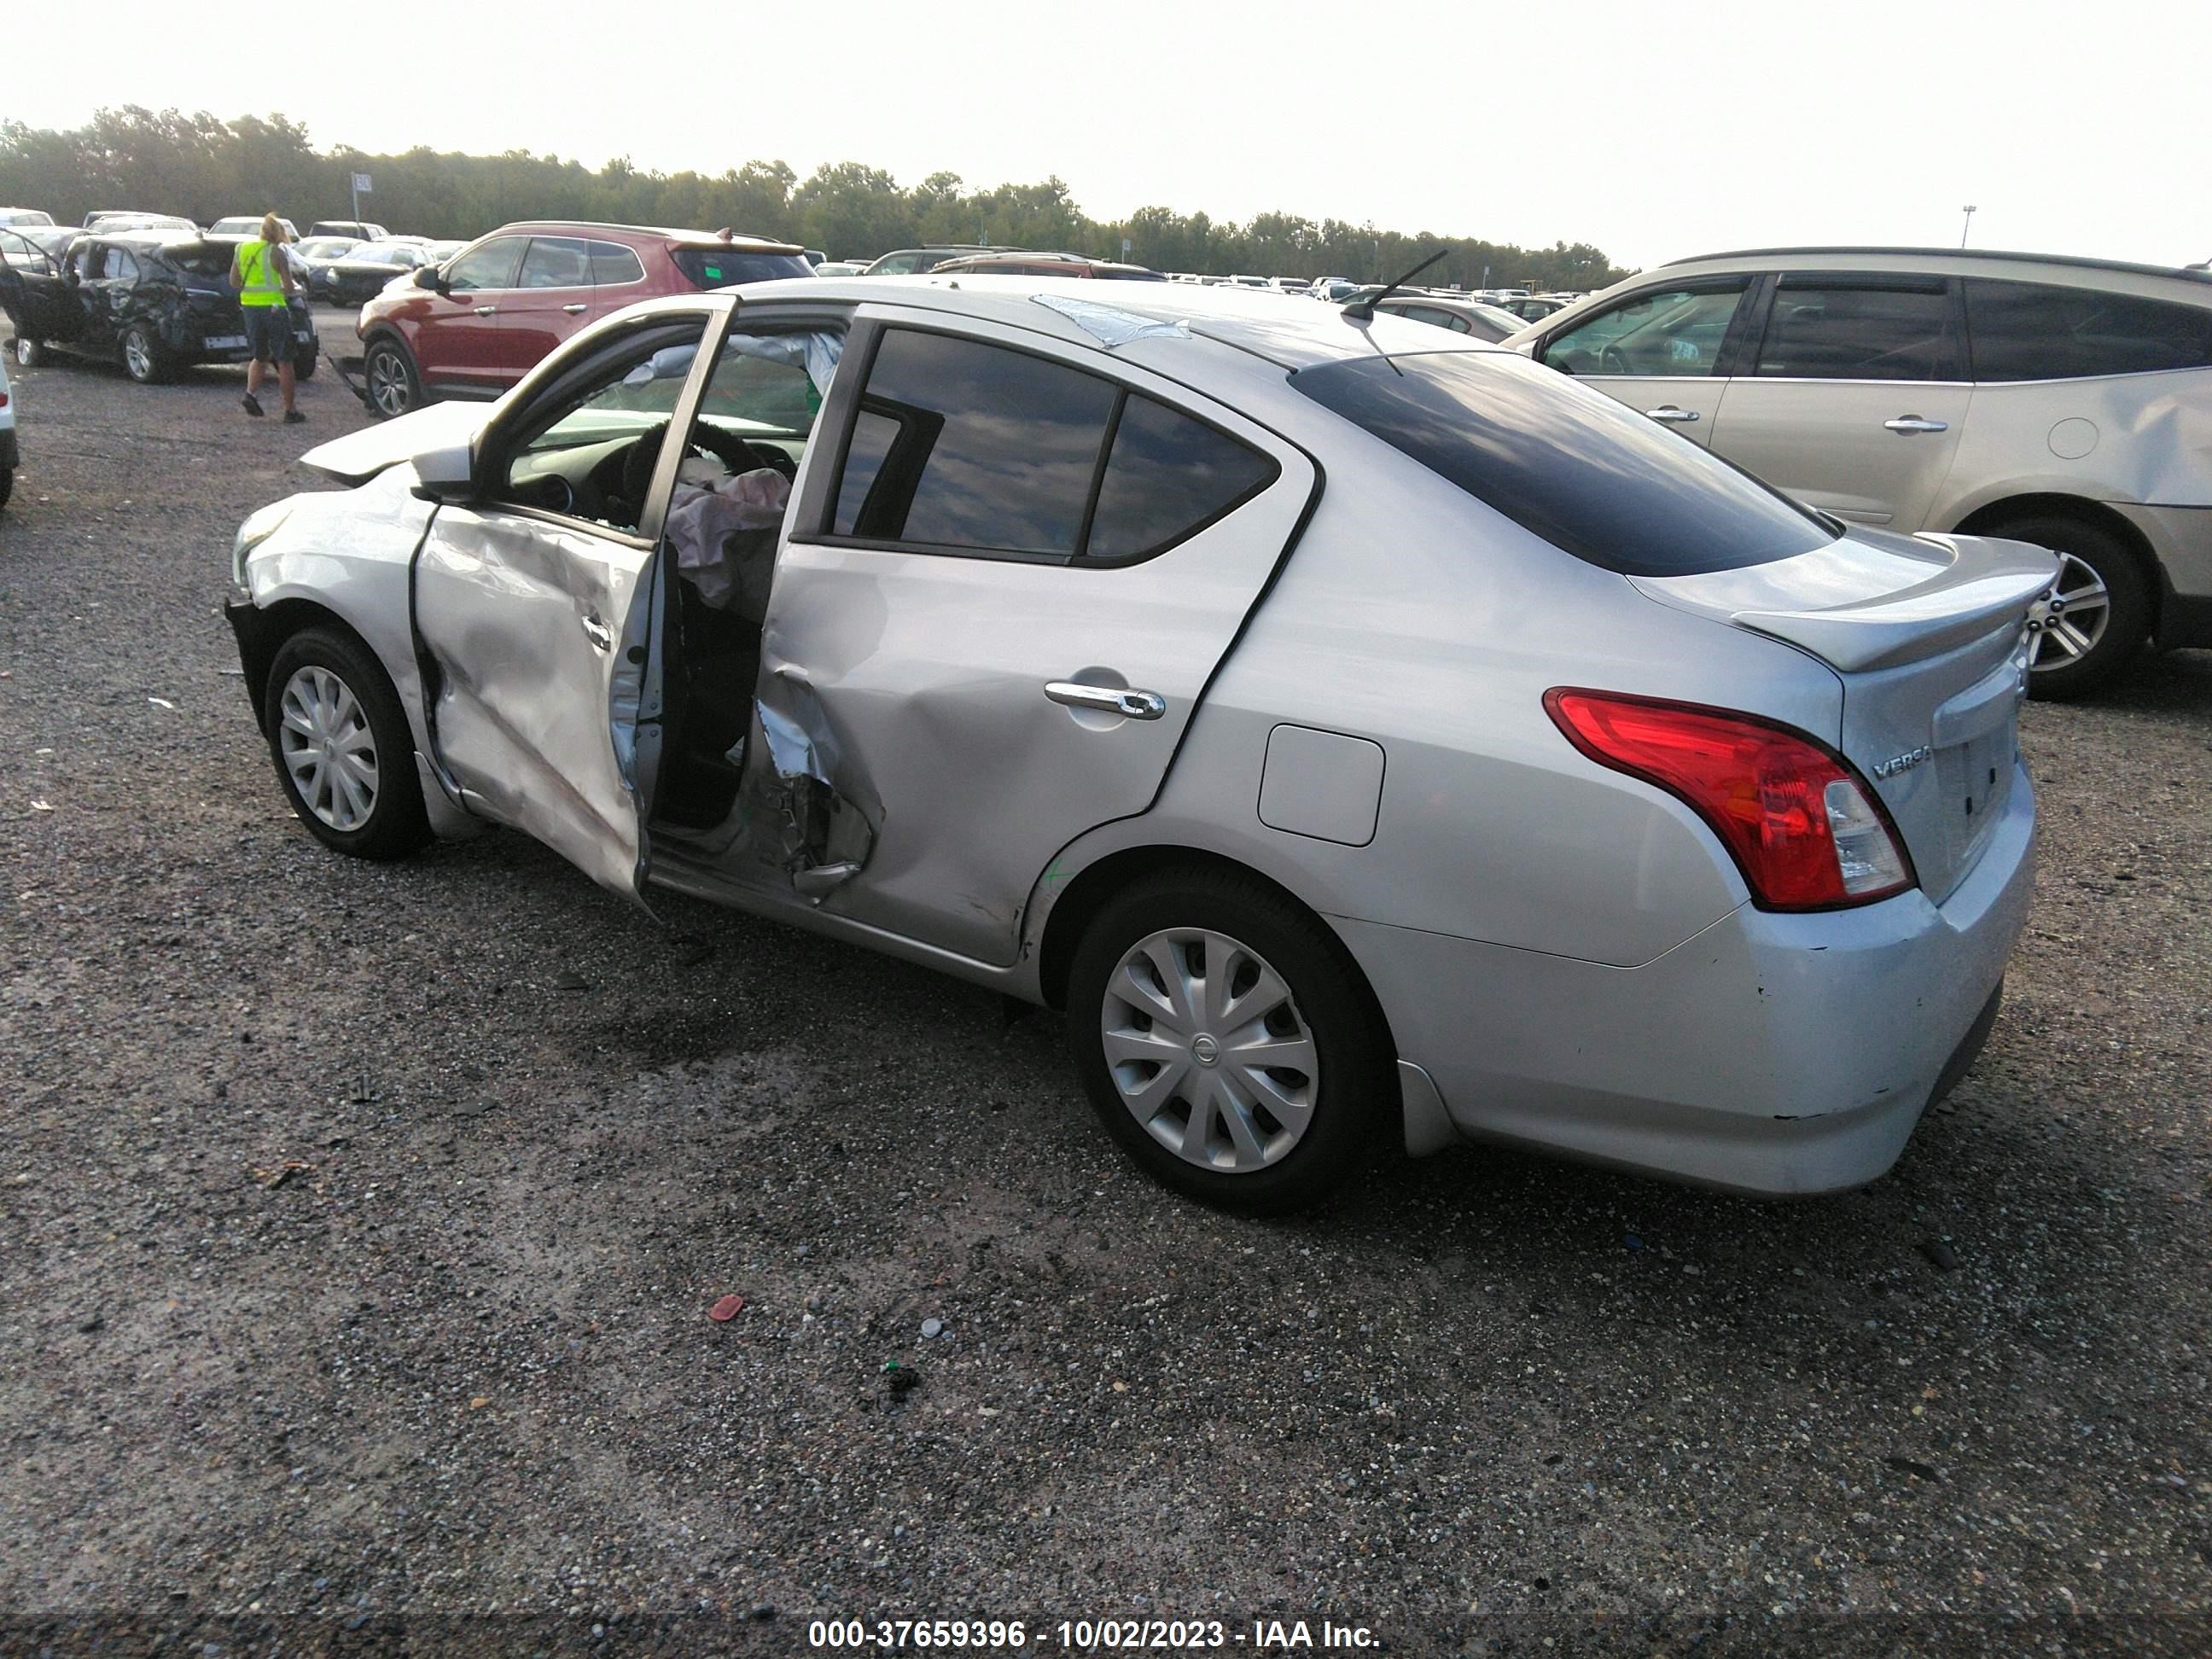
x,y
1362,733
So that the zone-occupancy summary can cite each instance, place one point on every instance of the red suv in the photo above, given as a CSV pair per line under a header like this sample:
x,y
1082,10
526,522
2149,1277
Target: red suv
x,y
474,325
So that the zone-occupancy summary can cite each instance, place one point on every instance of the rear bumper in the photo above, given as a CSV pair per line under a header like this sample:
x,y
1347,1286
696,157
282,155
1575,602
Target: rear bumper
x,y
1771,1054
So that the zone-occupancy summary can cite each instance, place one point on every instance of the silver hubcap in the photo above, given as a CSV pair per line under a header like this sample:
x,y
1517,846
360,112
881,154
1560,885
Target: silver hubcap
x,y
136,353
2065,624
387,382
1208,1051
328,748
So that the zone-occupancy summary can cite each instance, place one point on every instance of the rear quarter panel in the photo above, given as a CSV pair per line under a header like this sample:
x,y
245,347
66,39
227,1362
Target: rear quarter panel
x,y
1414,616
2127,439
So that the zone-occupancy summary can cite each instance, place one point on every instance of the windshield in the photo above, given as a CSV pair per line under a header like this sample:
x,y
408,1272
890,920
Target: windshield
x,y
1568,464
707,267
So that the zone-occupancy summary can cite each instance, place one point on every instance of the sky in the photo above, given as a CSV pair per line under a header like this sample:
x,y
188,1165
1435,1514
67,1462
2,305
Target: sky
x,y
1653,131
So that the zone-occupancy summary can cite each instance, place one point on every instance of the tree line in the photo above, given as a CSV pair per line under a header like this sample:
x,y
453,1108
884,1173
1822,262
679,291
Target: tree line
x,y
206,168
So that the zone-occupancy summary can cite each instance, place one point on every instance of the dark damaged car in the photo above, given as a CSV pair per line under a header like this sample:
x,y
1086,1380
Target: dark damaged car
x,y
154,303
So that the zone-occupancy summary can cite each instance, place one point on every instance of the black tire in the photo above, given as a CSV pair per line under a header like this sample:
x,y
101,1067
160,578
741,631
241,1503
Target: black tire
x,y
143,358
2128,591
6,484
395,388
395,824
1329,1003
303,363
29,353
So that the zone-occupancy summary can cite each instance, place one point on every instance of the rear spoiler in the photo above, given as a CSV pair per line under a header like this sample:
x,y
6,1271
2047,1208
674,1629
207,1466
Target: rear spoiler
x,y
1990,585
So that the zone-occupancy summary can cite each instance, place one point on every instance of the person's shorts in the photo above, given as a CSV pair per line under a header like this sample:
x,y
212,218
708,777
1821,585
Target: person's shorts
x,y
269,332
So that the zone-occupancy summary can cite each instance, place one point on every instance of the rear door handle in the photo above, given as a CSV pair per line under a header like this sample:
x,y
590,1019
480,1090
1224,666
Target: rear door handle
x,y
1109,699
1671,416
574,309
1910,424
486,310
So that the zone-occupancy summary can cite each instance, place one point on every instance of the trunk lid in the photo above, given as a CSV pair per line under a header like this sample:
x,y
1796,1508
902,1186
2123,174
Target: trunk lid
x,y
1927,634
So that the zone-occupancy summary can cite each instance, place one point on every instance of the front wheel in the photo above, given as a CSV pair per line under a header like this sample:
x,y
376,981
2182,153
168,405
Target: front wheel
x,y
1228,1041
394,388
2096,616
342,750
303,363
142,358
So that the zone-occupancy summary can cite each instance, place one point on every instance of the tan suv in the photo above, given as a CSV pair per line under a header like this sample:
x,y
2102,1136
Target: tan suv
x,y
2059,401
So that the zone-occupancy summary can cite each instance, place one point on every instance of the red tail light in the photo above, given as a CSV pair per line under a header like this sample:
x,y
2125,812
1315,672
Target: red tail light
x,y
1802,826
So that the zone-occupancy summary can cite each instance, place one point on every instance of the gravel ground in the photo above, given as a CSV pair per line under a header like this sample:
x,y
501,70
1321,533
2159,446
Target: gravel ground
x,y
358,1226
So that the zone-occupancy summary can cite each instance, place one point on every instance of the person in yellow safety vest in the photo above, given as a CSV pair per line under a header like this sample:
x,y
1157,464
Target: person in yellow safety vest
x,y
261,271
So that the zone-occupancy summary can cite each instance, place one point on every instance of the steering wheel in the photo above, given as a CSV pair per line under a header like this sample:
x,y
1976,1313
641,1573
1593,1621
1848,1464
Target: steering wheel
x,y
1611,359
735,454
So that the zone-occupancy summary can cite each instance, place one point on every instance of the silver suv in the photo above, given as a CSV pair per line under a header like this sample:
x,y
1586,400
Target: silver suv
x,y
2059,401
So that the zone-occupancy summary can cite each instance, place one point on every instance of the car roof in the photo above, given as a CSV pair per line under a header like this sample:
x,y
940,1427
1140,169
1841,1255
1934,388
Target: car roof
x,y
1252,320
1950,256
687,238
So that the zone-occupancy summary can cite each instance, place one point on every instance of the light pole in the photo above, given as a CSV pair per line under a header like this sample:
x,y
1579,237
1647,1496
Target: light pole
x,y
1968,226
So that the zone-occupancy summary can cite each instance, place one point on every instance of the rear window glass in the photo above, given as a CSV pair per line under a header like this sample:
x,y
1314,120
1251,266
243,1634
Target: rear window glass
x,y
964,444
200,261
1845,333
1566,463
2039,331
1166,477
707,267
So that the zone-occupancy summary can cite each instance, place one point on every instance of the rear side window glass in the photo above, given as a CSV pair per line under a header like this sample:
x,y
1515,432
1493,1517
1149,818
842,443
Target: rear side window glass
x,y
1565,462
613,264
1167,476
2038,331
1858,334
706,267
961,444
123,267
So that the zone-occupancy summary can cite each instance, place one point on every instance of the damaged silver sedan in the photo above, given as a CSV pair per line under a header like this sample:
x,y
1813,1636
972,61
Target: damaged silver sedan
x,y
1366,736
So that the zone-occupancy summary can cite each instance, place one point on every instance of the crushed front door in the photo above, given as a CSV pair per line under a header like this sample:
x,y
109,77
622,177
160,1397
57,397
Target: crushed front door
x,y
535,620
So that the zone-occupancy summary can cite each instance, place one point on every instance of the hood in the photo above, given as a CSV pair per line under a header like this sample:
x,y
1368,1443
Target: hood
x,y
360,456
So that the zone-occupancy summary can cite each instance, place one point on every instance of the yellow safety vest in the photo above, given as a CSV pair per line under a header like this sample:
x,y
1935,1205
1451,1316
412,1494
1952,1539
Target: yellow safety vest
x,y
264,286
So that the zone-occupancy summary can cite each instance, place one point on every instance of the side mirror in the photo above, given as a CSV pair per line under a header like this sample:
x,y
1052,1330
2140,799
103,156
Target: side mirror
x,y
446,476
431,278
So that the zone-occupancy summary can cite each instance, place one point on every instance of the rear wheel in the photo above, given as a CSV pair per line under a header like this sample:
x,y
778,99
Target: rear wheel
x,y
343,753
29,353
1228,1042
144,360
2096,616
6,484
303,363
394,388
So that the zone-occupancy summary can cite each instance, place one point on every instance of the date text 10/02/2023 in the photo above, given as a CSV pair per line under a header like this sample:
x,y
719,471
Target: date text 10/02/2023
x,y
1258,1635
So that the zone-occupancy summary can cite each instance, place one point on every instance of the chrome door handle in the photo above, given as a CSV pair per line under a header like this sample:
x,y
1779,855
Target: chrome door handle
x,y
1910,424
599,633
1109,699
486,310
1671,416
574,309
